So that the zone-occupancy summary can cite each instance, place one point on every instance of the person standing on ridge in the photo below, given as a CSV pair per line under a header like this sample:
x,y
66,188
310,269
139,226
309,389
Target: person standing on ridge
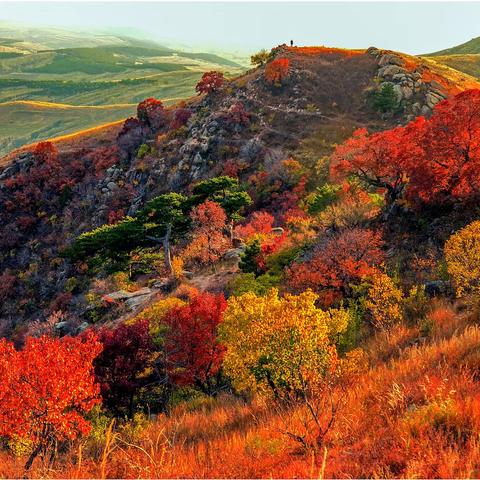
x,y
291,43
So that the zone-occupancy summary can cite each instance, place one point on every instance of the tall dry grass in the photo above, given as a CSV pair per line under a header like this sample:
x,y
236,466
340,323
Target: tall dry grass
x,y
414,413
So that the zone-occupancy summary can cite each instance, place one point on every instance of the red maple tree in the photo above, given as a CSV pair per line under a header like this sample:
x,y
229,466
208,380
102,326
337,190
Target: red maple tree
x,y
193,355
337,262
152,113
127,352
209,242
210,82
47,387
277,71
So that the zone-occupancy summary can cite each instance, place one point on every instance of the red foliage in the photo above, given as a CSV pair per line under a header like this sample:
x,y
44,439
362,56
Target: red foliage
x,y
193,354
45,152
429,161
276,71
61,302
180,118
47,388
127,352
209,242
340,260
449,165
269,247
260,223
152,113
237,115
210,82
7,286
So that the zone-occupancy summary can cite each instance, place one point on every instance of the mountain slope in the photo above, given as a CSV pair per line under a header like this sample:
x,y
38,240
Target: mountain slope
x,y
470,47
326,97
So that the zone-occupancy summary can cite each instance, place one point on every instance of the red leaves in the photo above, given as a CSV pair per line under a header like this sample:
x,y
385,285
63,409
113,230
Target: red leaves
x,y
193,354
210,82
208,243
126,353
276,71
337,262
45,152
152,113
47,387
428,161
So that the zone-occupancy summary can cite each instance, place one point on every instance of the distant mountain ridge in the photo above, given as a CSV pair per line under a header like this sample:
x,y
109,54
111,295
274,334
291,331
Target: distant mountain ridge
x,y
470,47
93,69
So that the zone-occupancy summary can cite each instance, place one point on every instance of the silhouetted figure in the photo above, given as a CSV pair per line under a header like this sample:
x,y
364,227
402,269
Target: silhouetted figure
x,y
291,43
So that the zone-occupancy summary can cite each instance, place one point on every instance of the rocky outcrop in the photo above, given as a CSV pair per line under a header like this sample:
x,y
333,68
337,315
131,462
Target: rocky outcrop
x,y
416,95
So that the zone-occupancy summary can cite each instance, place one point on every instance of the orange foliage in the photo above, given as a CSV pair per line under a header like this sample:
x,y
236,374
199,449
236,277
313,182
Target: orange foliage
x,y
337,262
46,389
413,414
325,50
276,71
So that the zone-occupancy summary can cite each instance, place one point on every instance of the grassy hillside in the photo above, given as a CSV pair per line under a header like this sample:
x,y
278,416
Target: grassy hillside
x,y
80,69
468,63
26,122
472,46
464,58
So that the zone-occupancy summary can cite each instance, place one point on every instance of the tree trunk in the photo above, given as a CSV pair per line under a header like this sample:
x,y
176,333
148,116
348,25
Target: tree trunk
x,y
166,249
31,459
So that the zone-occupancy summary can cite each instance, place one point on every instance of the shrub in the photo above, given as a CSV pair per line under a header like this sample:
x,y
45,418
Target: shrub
x,y
462,254
277,71
385,99
210,82
383,302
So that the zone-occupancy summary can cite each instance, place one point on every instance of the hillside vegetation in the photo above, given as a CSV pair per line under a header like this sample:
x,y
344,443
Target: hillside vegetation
x,y
277,278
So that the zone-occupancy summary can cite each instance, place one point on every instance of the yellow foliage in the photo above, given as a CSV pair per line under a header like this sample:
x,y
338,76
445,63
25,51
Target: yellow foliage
x,y
177,267
156,312
384,302
462,253
279,343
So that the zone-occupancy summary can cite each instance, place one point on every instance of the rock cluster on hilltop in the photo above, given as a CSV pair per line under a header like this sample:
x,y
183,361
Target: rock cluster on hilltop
x,y
417,95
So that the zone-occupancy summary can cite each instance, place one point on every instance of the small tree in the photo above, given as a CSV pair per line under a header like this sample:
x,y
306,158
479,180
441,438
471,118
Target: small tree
x,y
208,243
277,71
46,390
385,99
152,113
127,353
192,353
211,82
285,349
260,58
384,302
462,254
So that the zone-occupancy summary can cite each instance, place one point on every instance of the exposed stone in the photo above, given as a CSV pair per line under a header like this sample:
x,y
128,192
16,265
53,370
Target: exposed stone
x,y
390,71
390,59
124,295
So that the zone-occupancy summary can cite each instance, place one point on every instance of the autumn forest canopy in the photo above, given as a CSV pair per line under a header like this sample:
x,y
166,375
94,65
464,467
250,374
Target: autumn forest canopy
x,y
276,278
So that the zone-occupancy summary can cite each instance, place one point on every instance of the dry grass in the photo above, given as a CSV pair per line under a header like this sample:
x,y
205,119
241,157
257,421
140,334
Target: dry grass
x,y
414,413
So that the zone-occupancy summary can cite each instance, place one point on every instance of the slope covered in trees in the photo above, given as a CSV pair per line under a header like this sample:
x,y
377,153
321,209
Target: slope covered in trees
x,y
278,278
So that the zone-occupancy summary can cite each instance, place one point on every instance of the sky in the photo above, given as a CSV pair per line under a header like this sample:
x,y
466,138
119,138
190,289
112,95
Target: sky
x,y
411,27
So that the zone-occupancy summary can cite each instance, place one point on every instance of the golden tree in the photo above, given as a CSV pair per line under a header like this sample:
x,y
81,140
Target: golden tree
x,y
462,253
384,302
285,348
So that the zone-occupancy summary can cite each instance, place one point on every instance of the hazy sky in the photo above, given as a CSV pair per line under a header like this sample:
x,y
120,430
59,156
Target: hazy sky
x,y
407,26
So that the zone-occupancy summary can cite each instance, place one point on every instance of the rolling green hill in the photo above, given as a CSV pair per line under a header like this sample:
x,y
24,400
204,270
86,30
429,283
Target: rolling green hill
x,y
27,122
79,69
464,57
472,46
